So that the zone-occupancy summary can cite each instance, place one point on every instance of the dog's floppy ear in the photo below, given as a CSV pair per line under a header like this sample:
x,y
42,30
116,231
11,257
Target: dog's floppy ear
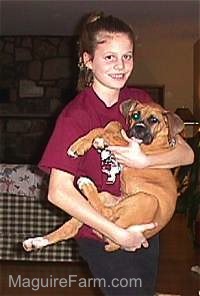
x,y
126,106
175,125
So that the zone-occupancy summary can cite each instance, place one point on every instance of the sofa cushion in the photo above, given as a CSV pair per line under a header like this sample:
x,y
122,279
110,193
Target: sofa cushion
x,y
23,180
23,217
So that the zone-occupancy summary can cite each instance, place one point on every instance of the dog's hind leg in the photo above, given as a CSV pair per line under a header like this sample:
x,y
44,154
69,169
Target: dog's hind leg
x,y
139,208
66,231
134,210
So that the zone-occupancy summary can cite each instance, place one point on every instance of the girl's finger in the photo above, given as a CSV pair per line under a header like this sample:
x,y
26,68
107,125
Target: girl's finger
x,y
143,227
116,148
145,244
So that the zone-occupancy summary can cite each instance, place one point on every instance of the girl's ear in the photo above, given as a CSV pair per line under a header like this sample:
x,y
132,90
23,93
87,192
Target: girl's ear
x,y
87,60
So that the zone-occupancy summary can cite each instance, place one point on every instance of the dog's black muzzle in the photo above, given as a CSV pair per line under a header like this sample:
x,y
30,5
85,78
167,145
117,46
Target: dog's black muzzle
x,y
142,132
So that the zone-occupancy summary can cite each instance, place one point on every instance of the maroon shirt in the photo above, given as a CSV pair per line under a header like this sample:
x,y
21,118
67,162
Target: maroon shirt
x,y
85,112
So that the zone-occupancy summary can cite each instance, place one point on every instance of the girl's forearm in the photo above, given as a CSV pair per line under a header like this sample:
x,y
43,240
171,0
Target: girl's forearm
x,y
181,155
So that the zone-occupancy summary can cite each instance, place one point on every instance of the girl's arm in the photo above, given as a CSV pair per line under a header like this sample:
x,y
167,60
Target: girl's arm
x,y
64,195
132,155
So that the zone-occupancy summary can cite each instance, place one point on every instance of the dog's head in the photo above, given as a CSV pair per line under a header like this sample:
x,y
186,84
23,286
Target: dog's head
x,y
147,121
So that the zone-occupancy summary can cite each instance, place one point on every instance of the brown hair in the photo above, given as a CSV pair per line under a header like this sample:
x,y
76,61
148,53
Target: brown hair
x,y
90,27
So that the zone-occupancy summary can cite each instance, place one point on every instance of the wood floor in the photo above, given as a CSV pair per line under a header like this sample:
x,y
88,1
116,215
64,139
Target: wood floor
x,y
177,255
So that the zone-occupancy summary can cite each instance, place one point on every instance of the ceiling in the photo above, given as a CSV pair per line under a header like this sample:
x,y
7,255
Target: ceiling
x,y
51,17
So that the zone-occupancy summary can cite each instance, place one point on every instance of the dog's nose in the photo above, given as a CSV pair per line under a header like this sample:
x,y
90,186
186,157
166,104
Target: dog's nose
x,y
142,132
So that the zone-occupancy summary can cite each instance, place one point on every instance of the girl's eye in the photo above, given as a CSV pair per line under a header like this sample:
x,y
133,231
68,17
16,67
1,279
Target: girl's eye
x,y
127,57
136,116
109,58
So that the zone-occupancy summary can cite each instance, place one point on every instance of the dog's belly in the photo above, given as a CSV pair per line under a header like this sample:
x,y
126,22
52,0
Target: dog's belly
x,y
152,181
158,184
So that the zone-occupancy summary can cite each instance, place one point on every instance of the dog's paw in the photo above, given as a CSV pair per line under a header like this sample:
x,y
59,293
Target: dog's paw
x,y
32,244
79,148
108,213
72,153
99,143
83,181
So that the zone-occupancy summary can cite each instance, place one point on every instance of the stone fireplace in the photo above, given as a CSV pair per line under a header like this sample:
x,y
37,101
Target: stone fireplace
x,y
38,77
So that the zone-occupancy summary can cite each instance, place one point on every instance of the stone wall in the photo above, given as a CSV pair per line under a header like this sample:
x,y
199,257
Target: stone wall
x,y
37,78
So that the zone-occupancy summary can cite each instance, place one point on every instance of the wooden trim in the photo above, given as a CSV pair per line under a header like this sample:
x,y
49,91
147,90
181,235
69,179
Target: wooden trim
x,y
156,91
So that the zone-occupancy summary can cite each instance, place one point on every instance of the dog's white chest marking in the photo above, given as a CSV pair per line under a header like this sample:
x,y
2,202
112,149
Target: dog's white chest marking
x,y
110,166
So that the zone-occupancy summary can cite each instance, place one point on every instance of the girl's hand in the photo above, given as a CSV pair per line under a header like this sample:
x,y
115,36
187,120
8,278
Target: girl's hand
x,y
131,155
133,238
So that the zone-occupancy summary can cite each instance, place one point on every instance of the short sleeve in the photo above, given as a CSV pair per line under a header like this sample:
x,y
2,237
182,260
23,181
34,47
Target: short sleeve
x,y
67,130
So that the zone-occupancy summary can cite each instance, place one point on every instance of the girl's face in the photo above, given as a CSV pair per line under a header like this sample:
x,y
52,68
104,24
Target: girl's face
x,y
112,63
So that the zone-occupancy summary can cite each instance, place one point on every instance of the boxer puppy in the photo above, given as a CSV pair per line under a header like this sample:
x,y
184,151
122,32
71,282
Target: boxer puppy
x,y
147,195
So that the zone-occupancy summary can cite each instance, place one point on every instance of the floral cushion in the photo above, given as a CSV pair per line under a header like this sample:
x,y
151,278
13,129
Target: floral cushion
x,y
23,180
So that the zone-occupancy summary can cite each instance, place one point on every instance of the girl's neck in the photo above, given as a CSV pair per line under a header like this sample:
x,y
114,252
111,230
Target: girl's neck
x,y
108,96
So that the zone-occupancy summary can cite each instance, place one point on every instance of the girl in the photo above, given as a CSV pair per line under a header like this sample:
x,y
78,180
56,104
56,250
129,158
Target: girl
x,y
106,60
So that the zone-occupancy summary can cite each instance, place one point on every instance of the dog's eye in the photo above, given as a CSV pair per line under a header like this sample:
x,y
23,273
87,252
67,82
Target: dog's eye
x,y
136,116
152,119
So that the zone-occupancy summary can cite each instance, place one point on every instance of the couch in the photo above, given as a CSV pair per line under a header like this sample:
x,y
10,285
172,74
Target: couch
x,y
25,212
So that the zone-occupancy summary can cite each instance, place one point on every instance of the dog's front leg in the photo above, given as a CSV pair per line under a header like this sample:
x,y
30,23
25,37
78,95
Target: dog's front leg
x,y
82,145
111,135
89,190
